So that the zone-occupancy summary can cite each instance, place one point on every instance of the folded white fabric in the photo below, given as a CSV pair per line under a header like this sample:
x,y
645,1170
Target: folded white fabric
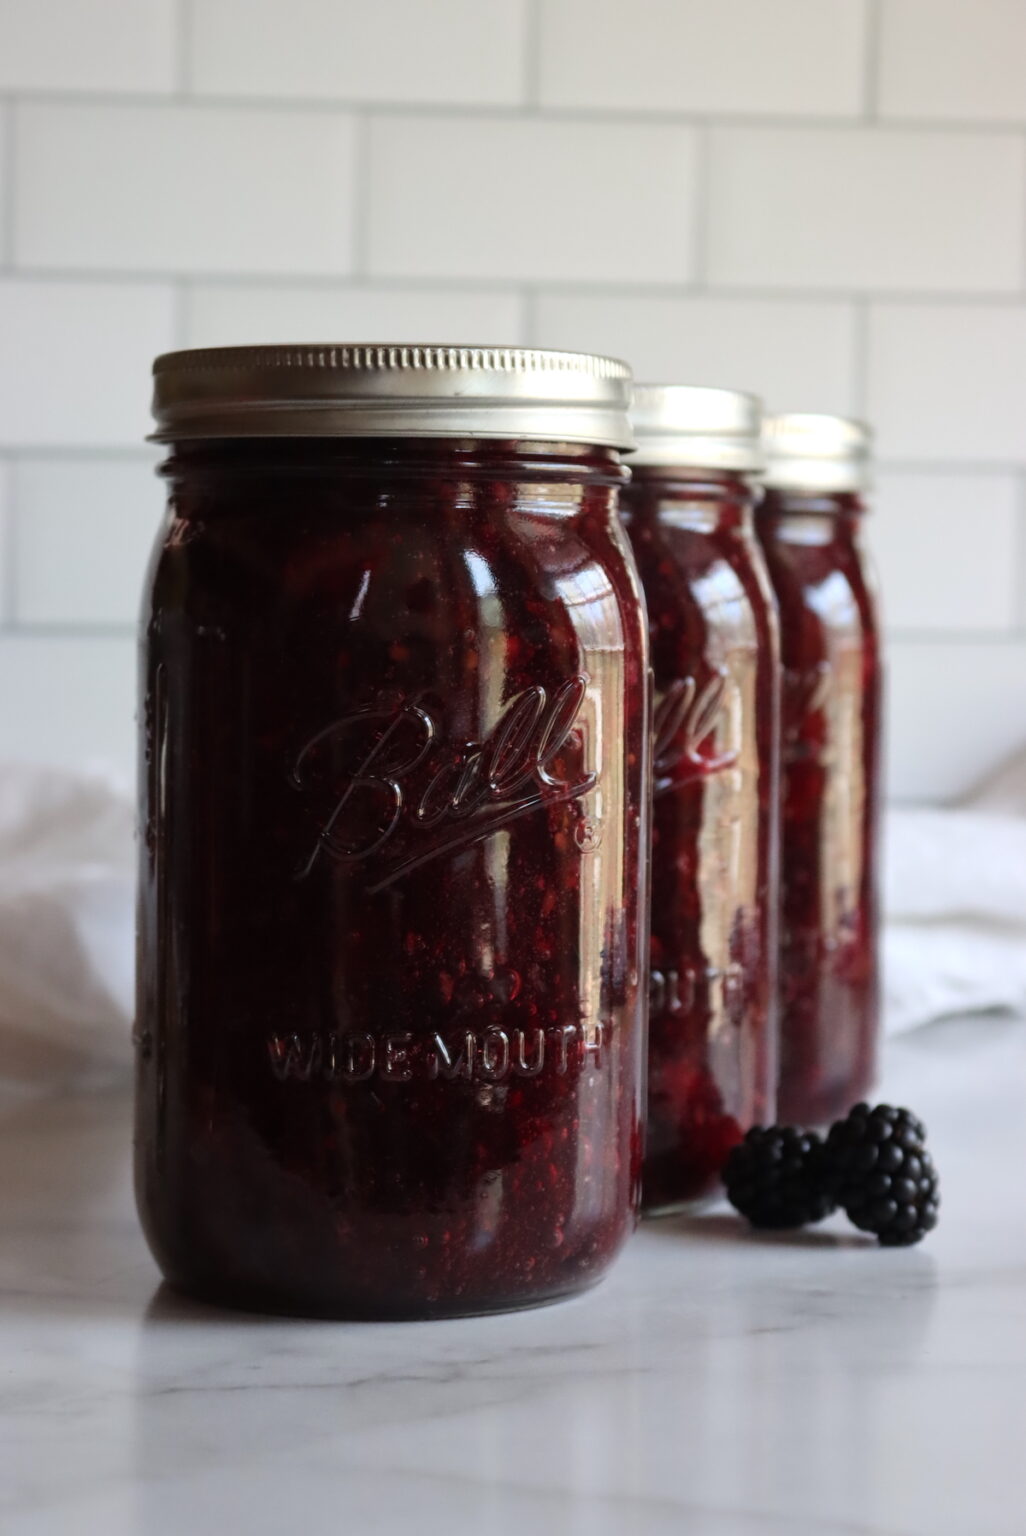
x,y
66,928
932,971
955,863
955,904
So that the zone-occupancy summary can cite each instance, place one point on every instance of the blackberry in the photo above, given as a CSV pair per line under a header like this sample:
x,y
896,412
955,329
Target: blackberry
x,y
875,1164
773,1177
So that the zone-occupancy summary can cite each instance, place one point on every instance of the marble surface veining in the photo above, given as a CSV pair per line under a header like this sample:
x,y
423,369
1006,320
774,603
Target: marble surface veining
x,y
717,1384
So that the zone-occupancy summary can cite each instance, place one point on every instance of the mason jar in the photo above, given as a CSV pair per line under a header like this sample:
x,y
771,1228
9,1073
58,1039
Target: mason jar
x,y
393,812
713,633
810,523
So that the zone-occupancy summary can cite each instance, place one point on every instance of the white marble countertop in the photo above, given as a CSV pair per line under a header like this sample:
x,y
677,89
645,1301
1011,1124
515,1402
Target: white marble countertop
x,y
715,1385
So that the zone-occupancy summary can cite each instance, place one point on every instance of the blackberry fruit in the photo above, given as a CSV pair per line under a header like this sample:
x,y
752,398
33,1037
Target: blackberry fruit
x,y
875,1164
773,1177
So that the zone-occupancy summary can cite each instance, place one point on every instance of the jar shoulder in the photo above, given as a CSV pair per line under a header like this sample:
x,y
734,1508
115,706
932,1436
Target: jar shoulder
x,y
343,554
711,586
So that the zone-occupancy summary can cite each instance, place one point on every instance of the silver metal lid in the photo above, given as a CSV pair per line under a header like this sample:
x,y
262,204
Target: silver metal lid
x,y
696,428
364,390
809,452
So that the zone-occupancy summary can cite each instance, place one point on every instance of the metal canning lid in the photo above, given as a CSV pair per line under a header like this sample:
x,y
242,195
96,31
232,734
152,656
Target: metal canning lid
x,y
366,390
809,452
697,428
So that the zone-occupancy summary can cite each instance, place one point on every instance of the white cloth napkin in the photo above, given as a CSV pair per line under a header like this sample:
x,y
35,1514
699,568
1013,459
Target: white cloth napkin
x,y
67,870
955,904
954,898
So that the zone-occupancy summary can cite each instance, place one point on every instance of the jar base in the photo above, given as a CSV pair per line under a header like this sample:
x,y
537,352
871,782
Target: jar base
x,y
256,1302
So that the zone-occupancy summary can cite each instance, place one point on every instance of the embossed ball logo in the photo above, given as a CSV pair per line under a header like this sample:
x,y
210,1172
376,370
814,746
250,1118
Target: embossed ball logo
x,y
388,790
688,721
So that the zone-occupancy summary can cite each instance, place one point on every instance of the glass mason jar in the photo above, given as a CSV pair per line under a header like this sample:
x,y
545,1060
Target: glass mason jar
x,y
393,778
713,635
810,526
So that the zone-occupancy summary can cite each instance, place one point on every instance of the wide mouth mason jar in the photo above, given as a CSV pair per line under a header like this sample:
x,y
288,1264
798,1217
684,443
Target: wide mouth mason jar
x,y
712,623
810,523
393,812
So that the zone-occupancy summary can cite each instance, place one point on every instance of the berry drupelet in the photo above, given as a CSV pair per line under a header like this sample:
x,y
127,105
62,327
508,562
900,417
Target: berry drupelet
x,y
875,1164
773,1178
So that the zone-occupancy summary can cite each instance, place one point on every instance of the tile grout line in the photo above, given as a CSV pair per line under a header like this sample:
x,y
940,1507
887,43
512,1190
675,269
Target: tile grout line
x,y
700,206
45,453
1022,233
599,288
7,179
598,115
362,180
529,317
860,358
871,58
183,22
180,290
921,298
532,42
1015,638
74,629
1019,599
950,468
10,549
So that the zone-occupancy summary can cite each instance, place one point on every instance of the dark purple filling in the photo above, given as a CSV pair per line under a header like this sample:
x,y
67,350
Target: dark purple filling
x,y
711,1063
829,988
393,740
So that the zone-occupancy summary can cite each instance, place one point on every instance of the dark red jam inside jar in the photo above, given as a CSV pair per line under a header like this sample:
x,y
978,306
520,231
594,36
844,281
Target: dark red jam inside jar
x,y
394,768
810,526
712,628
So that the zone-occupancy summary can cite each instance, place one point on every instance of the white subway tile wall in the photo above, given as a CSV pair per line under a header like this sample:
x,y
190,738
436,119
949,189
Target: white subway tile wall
x,y
159,188
75,358
535,198
445,51
88,45
80,531
786,351
953,709
796,57
948,551
823,200
867,208
231,314
956,59
948,382
67,702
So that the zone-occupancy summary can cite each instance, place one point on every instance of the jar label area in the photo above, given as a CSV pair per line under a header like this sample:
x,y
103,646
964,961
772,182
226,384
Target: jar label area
x,y
490,1055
